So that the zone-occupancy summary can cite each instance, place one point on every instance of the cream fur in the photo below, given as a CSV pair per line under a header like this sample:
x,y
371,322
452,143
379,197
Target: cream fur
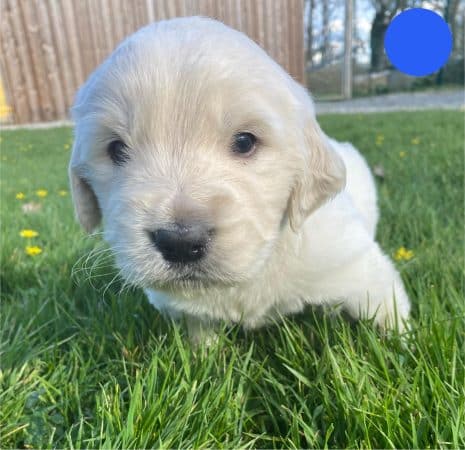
x,y
290,229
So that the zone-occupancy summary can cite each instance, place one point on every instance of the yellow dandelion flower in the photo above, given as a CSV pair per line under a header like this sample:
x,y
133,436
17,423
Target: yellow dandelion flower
x,y
66,146
402,154
28,233
415,141
33,250
20,196
379,139
63,193
402,254
41,193
408,254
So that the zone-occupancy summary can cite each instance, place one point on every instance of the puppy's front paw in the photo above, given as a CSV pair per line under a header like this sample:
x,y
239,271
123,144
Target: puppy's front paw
x,y
380,295
393,315
201,332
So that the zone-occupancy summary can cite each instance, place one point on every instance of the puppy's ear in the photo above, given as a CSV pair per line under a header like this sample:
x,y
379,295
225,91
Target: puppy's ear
x,y
84,199
321,175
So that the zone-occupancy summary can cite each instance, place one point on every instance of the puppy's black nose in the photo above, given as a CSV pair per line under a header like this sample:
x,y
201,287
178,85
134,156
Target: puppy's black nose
x,y
181,243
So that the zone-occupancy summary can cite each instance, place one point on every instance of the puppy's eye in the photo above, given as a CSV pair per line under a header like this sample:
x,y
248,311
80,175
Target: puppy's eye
x,y
118,152
244,143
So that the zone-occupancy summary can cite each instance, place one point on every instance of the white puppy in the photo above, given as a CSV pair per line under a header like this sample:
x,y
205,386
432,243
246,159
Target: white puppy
x,y
220,194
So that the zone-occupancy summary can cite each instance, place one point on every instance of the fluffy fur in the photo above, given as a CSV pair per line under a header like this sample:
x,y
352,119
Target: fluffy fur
x,y
294,222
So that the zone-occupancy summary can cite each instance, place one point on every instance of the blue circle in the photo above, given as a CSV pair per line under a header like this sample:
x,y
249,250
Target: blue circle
x,y
418,42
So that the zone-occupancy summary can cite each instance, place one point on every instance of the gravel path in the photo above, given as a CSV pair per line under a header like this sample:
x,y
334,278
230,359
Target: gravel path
x,y
444,99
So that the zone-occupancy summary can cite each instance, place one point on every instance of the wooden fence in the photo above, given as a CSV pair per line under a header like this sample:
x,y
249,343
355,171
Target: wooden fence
x,y
49,47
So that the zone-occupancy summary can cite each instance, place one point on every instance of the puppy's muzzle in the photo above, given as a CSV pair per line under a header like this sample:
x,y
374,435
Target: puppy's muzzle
x,y
182,243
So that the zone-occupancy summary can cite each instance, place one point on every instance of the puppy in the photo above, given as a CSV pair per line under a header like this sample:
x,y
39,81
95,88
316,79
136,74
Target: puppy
x,y
221,196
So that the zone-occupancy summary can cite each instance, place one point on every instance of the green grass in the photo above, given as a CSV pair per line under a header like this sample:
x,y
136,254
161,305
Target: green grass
x,y
86,366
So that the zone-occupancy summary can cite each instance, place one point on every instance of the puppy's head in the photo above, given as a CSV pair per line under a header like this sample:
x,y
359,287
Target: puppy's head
x,y
197,150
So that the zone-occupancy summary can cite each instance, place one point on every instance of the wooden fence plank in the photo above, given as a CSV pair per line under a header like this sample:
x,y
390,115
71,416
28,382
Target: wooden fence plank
x,y
59,39
12,72
106,25
150,10
25,63
71,33
50,61
116,21
49,47
291,48
47,109
84,36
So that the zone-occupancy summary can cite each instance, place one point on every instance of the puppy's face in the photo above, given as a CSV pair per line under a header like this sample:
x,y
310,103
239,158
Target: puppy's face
x,y
197,150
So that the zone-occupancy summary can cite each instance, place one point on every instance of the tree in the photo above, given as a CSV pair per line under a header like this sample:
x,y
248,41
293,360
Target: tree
x,y
318,18
385,12
348,36
325,48
450,16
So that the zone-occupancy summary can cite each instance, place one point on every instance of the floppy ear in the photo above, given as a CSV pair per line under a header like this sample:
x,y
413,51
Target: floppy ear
x,y
321,176
84,199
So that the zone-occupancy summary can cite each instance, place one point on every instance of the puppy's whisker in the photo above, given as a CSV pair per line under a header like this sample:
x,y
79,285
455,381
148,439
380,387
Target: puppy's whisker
x,y
110,283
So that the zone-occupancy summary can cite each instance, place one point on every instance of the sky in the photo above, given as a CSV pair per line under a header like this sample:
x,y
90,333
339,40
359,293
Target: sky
x,y
363,17
364,13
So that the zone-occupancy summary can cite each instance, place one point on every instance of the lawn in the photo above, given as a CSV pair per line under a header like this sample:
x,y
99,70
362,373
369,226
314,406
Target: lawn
x,y
84,365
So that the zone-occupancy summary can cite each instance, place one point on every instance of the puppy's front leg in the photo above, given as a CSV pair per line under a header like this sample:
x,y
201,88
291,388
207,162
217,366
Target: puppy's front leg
x,y
371,287
201,332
